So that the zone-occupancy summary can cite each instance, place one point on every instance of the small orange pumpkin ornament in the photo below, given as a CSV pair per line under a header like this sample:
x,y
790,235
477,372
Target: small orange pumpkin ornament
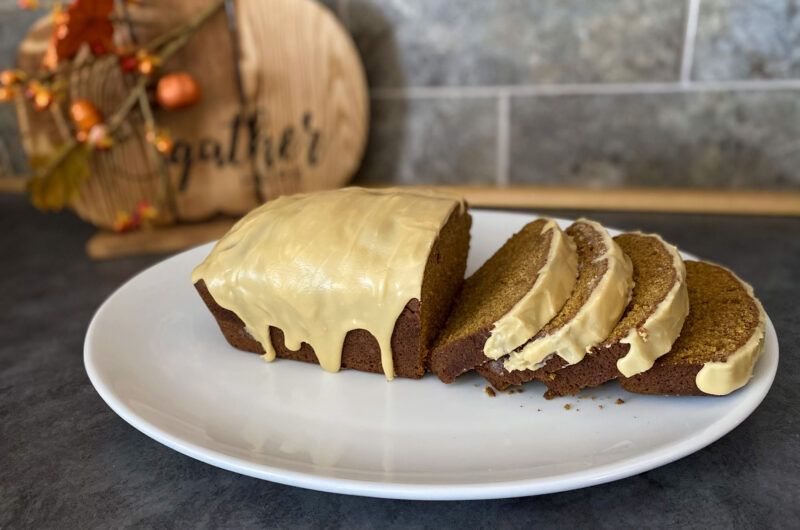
x,y
84,114
177,91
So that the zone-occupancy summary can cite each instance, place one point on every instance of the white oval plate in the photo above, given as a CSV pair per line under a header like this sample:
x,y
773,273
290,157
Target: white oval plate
x,y
156,356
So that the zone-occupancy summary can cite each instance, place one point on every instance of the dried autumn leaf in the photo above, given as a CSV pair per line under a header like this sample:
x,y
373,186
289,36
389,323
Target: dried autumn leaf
x,y
84,21
56,186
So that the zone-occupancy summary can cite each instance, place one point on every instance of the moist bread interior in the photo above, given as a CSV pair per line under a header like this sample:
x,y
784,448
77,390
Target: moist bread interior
x,y
721,319
499,284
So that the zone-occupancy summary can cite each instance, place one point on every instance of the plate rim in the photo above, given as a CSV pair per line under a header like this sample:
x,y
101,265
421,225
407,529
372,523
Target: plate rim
x,y
423,491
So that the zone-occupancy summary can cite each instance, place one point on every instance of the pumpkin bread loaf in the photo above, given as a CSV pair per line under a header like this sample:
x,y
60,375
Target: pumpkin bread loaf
x,y
507,300
721,340
359,271
651,322
372,280
601,293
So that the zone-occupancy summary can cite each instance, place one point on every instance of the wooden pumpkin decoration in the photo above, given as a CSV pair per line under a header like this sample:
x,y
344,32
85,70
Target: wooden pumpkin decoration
x,y
264,99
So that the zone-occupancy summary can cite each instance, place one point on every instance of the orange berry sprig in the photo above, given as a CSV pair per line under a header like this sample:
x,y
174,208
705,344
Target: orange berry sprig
x,y
33,87
59,17
123,222
6,94
143,213
41,96
9,79
161,140
99,137
129,63
146,211
42,99
12,77
147,62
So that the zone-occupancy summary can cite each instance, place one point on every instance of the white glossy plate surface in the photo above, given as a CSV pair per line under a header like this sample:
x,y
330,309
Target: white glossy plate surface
x,y
156,356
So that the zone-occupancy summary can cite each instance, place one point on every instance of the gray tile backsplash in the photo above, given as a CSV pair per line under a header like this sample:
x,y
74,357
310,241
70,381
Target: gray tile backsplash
x,y
12,157
14,25
711,139
748,39
501,42
564,92
431,141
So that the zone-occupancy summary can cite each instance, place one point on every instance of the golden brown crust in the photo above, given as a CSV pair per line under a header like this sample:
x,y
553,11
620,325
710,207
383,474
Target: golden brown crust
x,y
444,276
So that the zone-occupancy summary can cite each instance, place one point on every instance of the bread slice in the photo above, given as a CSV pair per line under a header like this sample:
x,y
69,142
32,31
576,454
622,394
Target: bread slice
x,y
651,322
601,293
517,291
334,268
721,340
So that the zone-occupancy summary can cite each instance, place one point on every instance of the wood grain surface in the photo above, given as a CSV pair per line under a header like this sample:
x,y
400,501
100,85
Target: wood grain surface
x,y
640,200
300,64
106,244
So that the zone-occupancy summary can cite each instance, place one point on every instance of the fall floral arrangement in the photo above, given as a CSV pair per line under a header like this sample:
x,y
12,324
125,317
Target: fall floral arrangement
x,y
97,36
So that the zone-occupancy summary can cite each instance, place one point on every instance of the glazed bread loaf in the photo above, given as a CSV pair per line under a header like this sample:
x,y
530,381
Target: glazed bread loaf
x,y
350,278
372,280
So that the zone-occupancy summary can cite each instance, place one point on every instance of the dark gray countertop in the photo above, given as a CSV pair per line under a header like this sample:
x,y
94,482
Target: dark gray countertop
x,y
66,460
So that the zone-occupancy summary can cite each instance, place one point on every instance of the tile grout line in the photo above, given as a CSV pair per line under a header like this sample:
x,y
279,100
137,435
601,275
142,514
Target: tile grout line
x,y
689,38
577,89
503,143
